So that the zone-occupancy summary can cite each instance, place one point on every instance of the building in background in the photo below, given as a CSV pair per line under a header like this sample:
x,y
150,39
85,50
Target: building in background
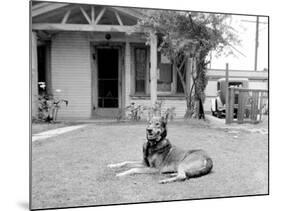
x,y
95,57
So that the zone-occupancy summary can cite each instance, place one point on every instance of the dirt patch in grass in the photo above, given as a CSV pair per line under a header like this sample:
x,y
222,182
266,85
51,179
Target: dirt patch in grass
x,y
70,169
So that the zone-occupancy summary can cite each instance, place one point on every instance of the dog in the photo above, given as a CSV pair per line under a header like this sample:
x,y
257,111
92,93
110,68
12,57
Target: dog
x,y
160,156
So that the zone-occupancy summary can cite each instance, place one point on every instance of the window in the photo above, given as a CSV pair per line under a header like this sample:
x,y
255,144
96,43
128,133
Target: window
x,y
165,74
140,69
168,81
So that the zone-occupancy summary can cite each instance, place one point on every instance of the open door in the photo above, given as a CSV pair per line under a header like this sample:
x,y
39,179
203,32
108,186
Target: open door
x,y
108,78
108,86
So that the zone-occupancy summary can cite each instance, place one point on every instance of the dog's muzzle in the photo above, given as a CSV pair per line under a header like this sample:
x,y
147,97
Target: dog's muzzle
x,y
152,134
149,131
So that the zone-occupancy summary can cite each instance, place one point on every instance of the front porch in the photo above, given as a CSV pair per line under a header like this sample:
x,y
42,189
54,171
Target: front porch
x,y
98,59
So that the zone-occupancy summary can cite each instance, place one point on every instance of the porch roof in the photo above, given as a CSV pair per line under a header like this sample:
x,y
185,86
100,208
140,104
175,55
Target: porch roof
x,y
81,17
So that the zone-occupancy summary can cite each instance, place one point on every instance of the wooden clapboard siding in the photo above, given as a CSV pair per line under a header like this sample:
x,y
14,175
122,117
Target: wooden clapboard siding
x,y
71,73
251,75
180,106
258,85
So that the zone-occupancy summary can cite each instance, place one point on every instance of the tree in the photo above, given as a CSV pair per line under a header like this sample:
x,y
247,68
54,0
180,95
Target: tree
x,y
183,35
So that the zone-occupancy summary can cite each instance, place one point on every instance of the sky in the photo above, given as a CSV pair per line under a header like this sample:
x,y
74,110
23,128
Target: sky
x,y
246,30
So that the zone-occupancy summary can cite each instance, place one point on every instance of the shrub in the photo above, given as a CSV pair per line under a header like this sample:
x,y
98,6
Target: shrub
x,y
48,107
135,111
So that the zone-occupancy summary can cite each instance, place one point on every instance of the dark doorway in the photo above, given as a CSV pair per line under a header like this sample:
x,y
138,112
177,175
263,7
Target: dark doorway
x,y
108,78
44,65
41,52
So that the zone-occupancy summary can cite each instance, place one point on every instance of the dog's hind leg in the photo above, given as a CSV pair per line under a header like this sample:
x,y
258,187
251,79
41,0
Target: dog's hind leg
x,y
138,171
129,164
179,176
172,174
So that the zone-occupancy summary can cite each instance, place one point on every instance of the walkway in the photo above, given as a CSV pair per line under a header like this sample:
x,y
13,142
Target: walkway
x,y
55,132
254,128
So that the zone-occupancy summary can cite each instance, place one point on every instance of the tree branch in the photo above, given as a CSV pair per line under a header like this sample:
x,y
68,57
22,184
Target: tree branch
x,y
191,22
181,76
190,94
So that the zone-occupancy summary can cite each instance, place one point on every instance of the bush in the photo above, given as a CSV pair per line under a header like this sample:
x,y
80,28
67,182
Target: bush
x,y
157,110
132,112
48,107
135,112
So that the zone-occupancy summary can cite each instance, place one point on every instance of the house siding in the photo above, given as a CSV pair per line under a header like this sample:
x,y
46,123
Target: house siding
x,y
71,73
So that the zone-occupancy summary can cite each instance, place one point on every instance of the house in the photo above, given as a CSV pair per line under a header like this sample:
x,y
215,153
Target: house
x,y
98,59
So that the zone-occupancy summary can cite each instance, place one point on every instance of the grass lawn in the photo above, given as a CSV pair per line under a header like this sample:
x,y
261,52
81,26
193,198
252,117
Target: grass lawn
x,y
70,169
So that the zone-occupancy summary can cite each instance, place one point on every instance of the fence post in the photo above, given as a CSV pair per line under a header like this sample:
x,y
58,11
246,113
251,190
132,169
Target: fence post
x,y
227,114
255,106
241,106
260,107
231,105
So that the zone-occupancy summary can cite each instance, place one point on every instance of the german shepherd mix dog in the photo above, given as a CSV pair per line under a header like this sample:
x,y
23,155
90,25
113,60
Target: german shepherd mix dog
x,y
159,155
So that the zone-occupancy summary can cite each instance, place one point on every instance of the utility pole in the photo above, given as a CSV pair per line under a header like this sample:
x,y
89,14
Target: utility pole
x,y
256,40
227,112
257,43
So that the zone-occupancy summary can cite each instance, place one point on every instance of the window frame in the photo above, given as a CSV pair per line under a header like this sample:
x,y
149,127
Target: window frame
x,y
158,76
134,46
146,92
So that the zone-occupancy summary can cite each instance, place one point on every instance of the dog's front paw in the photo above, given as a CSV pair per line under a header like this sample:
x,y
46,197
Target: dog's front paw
x,y
121,174
111,166
164,181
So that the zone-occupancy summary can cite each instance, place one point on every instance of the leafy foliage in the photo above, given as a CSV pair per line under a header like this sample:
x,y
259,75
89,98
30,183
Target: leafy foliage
x,y
183,35
132,112
48,107
190,32
135,112
158,110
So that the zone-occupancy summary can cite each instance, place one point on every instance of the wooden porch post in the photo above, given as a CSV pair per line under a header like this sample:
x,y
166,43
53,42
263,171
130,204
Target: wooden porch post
x,y
153,68
127,73
34,75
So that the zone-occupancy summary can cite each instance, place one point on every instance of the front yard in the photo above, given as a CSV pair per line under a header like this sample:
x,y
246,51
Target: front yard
x,y
70,169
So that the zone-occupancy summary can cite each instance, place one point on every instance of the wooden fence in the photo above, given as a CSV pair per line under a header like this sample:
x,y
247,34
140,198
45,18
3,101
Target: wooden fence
x,y
247,105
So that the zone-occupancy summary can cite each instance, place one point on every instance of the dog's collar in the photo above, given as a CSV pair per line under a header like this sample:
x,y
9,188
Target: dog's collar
x,y
152,141
156,140
159,146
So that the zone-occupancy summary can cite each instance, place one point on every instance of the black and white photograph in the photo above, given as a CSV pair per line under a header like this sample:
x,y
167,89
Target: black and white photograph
x,y
134,105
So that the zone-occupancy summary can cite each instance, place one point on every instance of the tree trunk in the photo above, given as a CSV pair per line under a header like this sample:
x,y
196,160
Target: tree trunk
x,y
194,101
187,94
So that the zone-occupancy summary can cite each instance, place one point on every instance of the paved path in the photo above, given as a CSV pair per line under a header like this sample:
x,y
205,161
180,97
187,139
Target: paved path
x,y
55,132
253,128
